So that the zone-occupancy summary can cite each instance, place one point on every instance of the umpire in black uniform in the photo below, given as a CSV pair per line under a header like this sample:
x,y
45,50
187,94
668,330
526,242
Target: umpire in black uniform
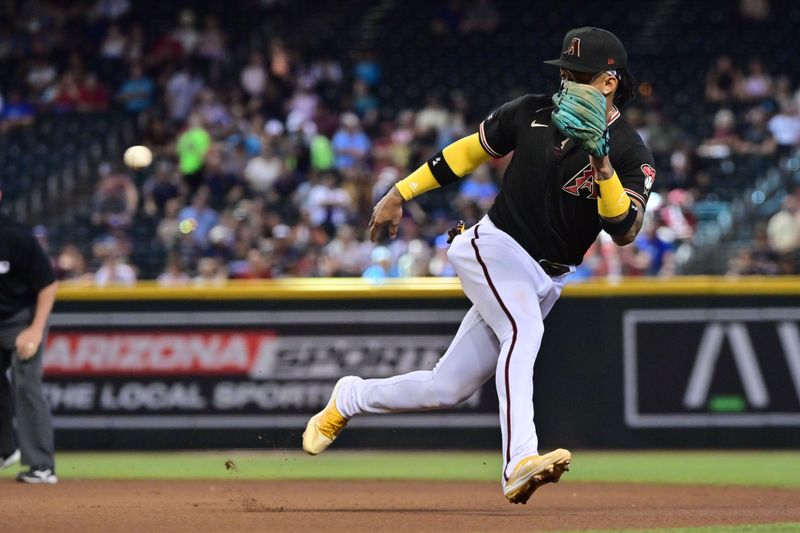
x,y
27,292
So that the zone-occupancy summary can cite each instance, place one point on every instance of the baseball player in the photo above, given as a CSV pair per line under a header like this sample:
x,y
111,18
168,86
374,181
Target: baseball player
x,y
27,292
577,168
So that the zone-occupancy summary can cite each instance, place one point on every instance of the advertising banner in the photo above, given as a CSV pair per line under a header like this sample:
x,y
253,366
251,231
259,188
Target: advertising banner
x,y
190,370
707,367
712,367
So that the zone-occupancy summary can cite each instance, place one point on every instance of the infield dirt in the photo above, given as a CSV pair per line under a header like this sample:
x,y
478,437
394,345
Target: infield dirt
x,y
156,506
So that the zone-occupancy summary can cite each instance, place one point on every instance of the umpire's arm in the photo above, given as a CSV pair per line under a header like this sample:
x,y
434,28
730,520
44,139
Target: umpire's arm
x,y
30,338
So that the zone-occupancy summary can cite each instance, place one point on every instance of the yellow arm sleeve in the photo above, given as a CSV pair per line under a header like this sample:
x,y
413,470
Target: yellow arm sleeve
x,y
462,157
613,201
465,155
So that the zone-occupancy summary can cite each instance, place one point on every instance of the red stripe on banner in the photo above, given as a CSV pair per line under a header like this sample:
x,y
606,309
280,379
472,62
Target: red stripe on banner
x,y
510,350
156,353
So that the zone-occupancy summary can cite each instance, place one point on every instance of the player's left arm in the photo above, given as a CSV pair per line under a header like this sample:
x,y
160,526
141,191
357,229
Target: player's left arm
x,y
623,192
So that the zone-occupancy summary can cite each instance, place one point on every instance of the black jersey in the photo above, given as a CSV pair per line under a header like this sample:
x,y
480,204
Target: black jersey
x,y
548,200
24,268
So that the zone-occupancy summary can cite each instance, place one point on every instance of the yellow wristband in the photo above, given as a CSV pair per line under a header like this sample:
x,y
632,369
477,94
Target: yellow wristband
x,y
613,201
418,182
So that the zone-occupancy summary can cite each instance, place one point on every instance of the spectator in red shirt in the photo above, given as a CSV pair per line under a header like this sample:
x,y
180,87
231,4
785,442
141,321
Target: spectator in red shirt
x,y
92,95
258,266
166,49
68,94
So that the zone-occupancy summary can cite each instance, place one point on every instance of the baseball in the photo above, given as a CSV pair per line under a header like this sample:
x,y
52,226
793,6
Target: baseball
x,y
138,157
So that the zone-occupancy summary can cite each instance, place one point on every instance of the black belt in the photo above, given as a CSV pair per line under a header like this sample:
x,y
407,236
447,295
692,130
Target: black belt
x,y
550,268
553,269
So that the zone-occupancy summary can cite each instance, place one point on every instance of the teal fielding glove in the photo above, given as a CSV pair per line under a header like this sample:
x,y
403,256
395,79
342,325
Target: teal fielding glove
x,y
580,114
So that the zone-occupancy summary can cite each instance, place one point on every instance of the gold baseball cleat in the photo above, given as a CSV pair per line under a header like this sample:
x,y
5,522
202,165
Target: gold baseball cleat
x,y
533,472
323,428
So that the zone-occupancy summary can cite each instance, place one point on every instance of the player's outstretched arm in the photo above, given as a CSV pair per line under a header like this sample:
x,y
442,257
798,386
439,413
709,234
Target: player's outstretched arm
x,y
454,162
620,216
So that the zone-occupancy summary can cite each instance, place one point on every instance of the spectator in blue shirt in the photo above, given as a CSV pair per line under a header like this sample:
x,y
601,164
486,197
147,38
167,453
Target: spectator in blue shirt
x,y
198,218
381,267
479,188
368,70
137,92
365,103
653,250
16,112
350,143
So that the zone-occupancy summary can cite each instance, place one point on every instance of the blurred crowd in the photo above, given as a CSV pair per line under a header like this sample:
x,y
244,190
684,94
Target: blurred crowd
x,y
264,167
268,159
753,126
757,116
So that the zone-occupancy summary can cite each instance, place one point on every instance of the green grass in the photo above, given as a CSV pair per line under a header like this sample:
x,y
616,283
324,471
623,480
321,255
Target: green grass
x,y
691,467
780,469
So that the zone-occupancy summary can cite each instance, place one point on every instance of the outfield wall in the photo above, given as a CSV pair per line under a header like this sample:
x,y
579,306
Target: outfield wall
x,y
694,362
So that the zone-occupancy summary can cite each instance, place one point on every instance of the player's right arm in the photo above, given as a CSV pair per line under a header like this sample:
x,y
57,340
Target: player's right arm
x,y
445,167
495,138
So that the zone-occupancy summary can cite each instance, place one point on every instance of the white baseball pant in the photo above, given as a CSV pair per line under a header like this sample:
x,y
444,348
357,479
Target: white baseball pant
x,y
500,335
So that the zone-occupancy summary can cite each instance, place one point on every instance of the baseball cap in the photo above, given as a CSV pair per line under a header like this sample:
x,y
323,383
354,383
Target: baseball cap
x,y
590,49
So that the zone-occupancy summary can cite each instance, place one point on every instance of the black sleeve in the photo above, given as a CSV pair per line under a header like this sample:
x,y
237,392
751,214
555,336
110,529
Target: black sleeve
x,y
636,171
498,132
37,269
